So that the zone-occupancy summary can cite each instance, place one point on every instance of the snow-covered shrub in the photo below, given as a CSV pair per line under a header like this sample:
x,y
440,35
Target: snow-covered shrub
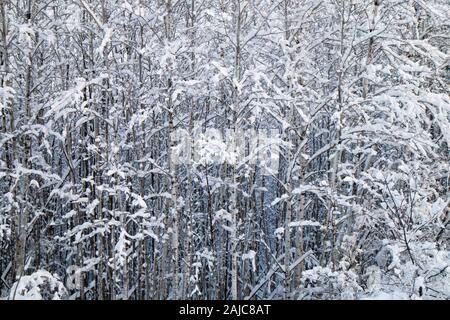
x,y
40,285
397,277
323,283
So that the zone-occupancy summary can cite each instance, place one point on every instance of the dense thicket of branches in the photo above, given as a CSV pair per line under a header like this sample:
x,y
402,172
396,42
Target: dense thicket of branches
x,y
101,199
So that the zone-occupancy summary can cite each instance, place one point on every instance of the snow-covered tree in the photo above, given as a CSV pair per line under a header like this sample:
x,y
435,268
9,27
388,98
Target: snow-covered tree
x,y
230,149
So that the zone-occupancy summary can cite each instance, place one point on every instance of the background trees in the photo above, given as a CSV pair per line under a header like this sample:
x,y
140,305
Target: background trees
x,y
225,149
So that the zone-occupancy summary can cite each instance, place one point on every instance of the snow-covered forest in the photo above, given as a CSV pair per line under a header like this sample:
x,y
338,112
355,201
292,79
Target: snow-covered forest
x,y
224,149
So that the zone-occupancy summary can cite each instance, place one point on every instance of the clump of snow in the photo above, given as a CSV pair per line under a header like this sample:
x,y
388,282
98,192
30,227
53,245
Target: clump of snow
x,y
250,256
40,285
